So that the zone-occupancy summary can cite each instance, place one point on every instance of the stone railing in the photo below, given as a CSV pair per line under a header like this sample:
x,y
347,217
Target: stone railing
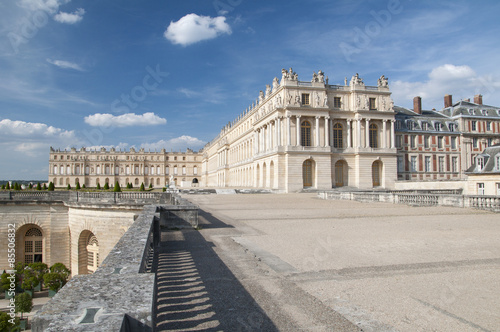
x,y
428,198
120,295
135,197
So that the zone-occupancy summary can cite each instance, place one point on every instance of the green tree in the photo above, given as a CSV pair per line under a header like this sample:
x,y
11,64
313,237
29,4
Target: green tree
x,y
30,186
44,186
117,188
24,303
39,269
150,186
5,325
78,186
83,186
3,186
106,186
5,281
51,186
38,186
57,277
142,187
7,186
98,186
68,187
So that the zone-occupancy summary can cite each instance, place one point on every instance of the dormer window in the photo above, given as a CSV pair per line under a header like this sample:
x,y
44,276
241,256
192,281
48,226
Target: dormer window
x,y
484,112
438,126
452,126
410,124
498,163
471,111
425,126
480,163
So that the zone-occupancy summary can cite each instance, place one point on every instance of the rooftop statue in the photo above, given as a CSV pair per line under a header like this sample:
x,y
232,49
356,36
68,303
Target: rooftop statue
x,y
356,80
383,82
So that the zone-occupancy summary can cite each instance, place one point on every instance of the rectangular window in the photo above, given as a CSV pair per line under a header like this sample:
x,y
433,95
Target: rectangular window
x,y
488,126
373,105
473,125
399,141
413,141
146,170
183,170
427,140
61,169
195,170
175,170
55,170
87,170
453,142
440,142
98,170
305,99
401,164
480,188
454,164
498,189
480,163
441,164
152,170
136,170
428,164
413,164
117,170
438,126
475,142
127,170
337,102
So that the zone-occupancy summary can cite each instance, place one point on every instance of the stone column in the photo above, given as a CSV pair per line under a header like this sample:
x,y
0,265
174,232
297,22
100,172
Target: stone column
x,y
288,130
393,139
358,133
348,133
255,142
327,131
298,130
269,136
384,134
317,131
278,132
367,133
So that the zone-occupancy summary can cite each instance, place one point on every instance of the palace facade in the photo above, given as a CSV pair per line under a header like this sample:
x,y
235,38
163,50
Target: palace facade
x,y
308,134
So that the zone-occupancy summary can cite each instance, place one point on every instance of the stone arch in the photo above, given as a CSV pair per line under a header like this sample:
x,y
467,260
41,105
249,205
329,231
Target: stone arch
x,y
30,243
88,252
61,181
136,182
257,176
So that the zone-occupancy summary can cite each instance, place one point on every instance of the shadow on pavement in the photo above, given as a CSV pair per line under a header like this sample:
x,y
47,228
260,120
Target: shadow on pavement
x,y
196,291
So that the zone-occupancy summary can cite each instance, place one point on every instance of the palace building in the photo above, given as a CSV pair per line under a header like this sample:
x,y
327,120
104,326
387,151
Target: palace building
x,y
308,134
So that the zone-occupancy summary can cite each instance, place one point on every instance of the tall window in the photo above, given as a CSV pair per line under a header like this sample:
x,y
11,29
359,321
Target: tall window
x,y
195,170
92,253
413,141
373,105
440,142
452,126
474,125
33,246
427,140
480,188
454,164
337,102
438,126
305,133
337,136
427,163
480,163
453,142
488,126
373,136
413,163
305,99
167,169
425,126
441,164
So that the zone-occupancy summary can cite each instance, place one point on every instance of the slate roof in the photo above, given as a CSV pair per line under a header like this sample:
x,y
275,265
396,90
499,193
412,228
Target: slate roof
x,y
490,167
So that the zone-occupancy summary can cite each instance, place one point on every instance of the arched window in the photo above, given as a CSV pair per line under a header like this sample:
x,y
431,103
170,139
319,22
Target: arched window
x,y
373,136
33,246
337,136
307,173
92,253
305,133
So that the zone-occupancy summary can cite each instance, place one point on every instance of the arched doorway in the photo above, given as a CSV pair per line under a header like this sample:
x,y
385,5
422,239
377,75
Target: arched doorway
x,y
88,253
308,173
341,178
376,173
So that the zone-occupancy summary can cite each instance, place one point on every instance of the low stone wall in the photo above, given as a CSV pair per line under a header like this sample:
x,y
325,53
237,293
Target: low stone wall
x,y
139,197
428,198
99,302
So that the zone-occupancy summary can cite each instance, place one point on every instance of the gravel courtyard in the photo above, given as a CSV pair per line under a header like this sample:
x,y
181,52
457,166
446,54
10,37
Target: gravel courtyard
x,y
381,266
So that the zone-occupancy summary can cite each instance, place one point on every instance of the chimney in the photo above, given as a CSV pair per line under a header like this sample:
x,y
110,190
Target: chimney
x,y
448,101
417,105
478,99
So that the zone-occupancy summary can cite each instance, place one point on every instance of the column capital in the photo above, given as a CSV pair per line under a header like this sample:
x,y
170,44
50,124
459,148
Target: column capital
x,y
348,120
318,117
327,117
298,116
367,119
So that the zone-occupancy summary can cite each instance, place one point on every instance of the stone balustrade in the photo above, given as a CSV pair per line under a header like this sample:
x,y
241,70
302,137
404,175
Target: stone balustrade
x,y
427,198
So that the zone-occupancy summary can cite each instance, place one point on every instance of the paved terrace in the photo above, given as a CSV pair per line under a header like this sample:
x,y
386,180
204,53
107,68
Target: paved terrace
x,y
298,263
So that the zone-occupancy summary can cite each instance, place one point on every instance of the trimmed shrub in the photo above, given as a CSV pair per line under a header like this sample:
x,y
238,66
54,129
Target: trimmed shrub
x,y
117,188
78,186
142,187
106,186
51,186
68,187
98,186
38,186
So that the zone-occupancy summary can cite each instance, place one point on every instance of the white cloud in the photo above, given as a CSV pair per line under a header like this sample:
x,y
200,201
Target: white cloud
x,y
33,138
125,120
460,81
50,6
65,64
70,18
192,28
176,144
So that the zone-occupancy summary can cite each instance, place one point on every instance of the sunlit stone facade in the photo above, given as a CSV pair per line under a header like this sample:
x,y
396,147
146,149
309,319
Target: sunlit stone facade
x,y
308,135
135,167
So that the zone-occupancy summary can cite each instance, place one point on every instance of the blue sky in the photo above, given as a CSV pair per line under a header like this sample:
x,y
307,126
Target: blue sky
x,y
171,74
